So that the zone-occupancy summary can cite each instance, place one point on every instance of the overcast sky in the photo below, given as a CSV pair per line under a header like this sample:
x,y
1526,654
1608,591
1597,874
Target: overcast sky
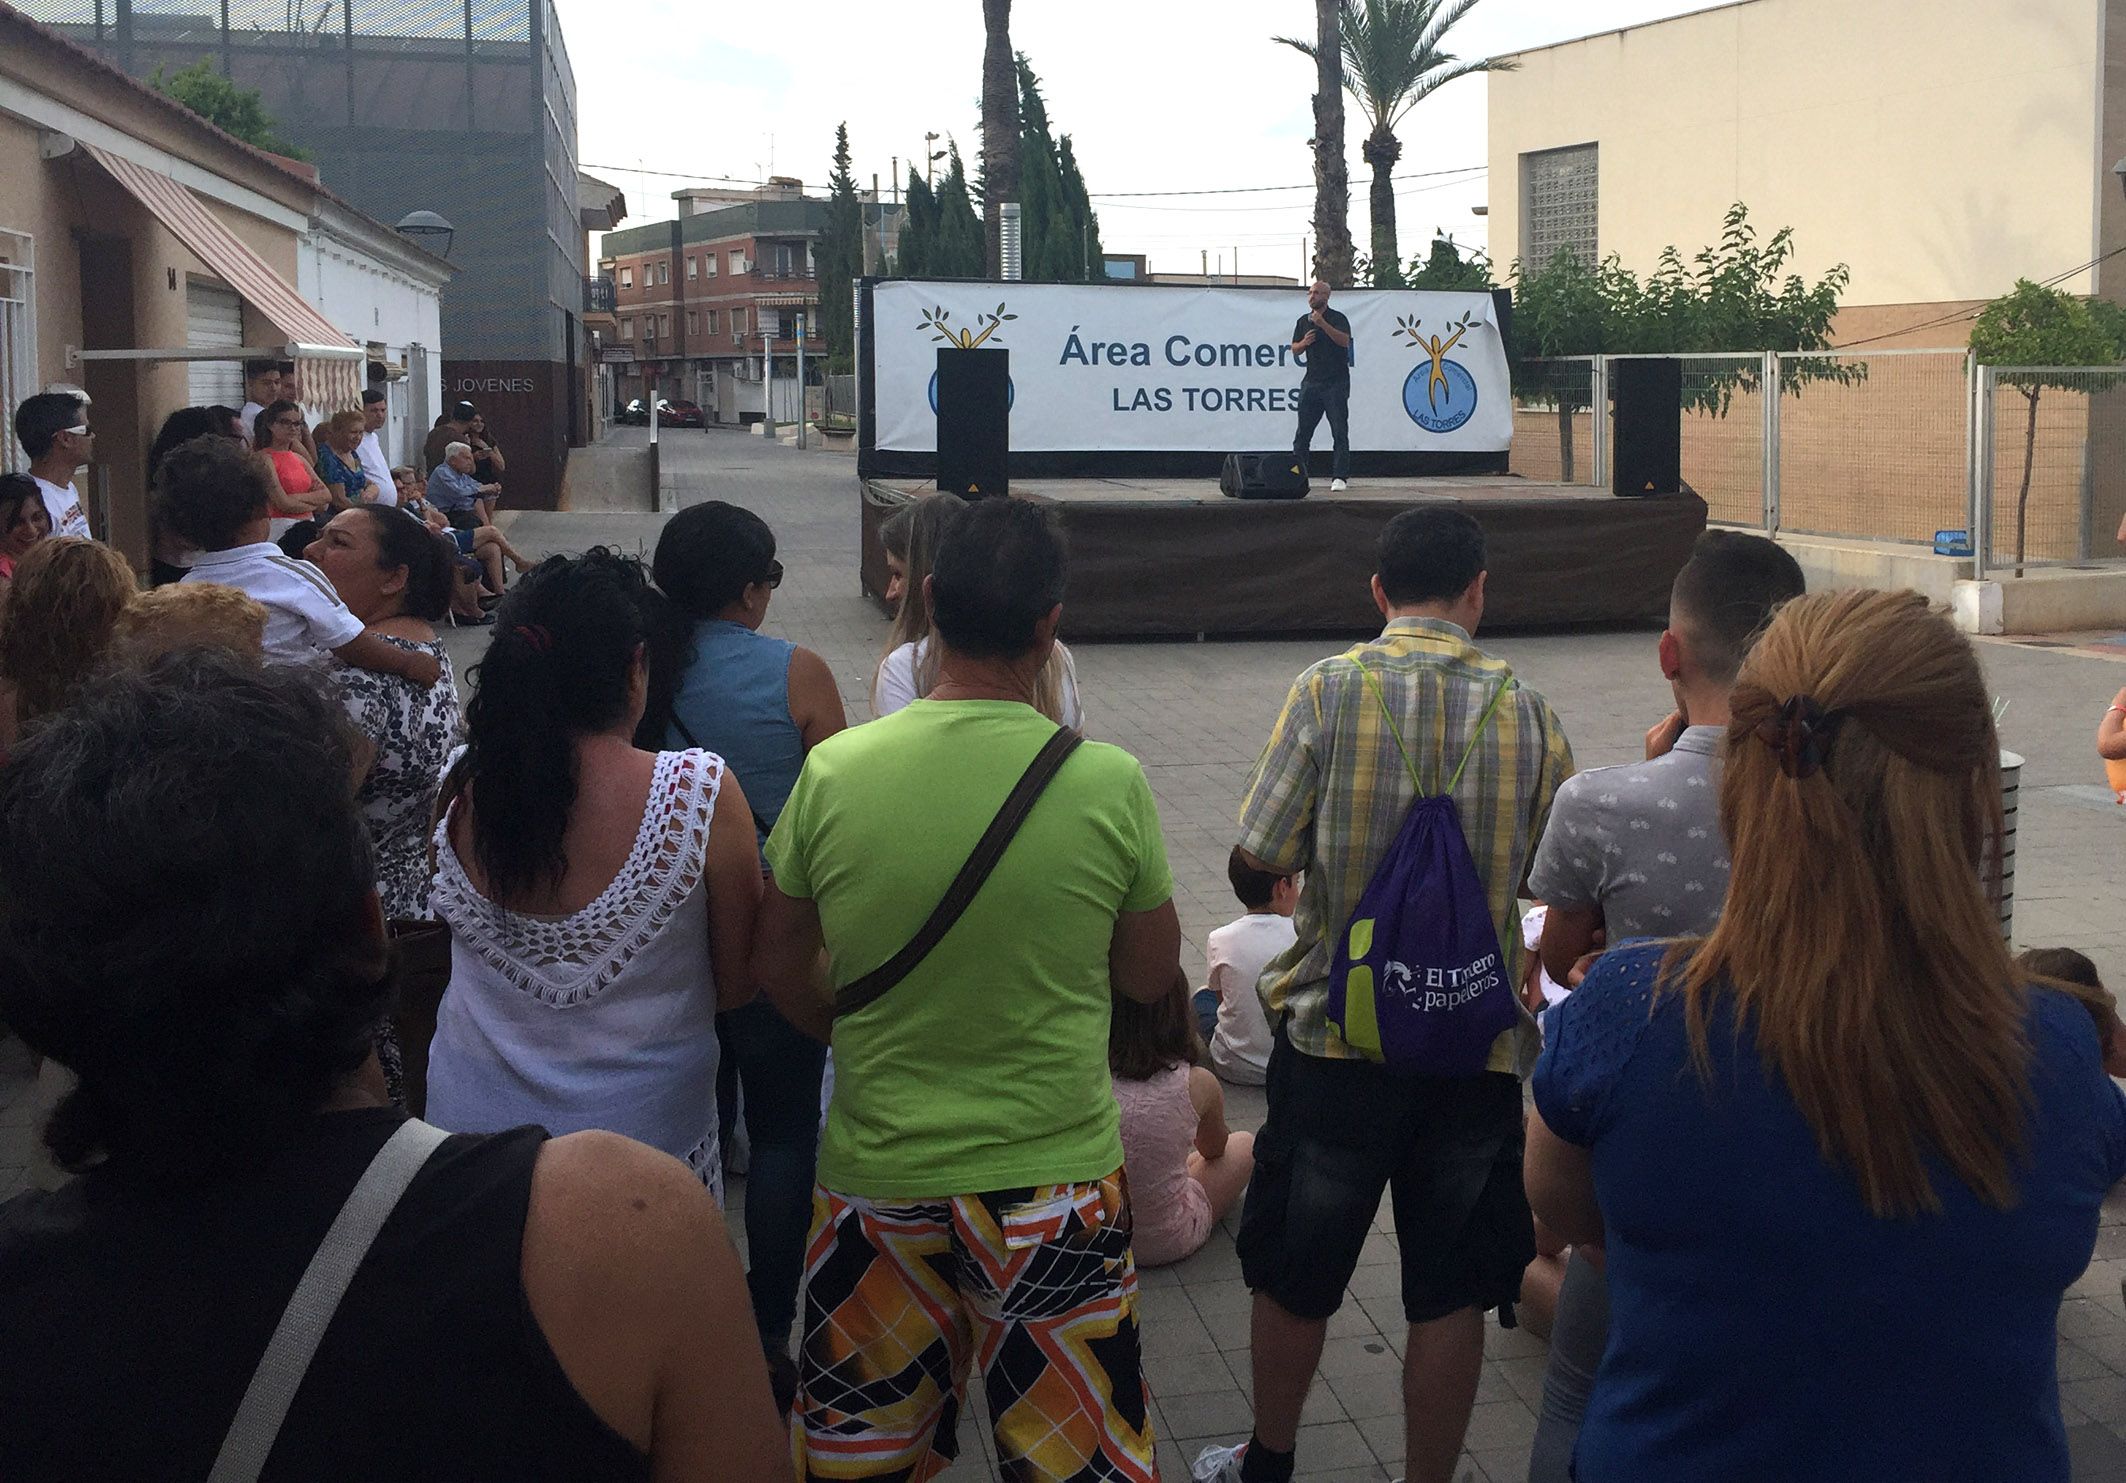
x,y
1158,95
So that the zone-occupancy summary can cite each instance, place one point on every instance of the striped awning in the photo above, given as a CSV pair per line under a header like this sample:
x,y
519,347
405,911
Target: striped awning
x,y
330,361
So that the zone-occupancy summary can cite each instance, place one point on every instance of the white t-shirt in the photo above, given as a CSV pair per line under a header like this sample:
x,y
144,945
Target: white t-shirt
x,y
896,683
304,617
371,453
1237,954
247,414
62,502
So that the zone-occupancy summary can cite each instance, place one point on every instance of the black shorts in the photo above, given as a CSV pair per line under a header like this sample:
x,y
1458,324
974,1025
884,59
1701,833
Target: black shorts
x,y
1338,1133
464,519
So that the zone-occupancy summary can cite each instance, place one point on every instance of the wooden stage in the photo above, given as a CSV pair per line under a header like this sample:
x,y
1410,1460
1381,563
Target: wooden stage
x,y
1172,557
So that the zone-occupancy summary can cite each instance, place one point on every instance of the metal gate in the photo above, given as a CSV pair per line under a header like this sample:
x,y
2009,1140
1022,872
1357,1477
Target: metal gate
x,y
18,333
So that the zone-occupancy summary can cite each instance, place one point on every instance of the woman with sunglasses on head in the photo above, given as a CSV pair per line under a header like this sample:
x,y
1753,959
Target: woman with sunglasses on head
x,y
1844,1156
761,703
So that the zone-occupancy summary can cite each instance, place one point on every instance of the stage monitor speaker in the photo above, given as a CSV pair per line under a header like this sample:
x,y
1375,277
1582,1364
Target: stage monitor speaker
x,y
1280,475
974,421
1647,444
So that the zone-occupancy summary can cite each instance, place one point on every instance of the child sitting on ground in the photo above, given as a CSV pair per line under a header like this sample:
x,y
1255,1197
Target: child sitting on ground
x,y
2071,971
1185,1170
212,494
1228,1009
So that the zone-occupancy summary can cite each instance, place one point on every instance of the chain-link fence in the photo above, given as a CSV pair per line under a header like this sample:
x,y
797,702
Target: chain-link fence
x,y
2051,465
1724,442
1554,427
1874,445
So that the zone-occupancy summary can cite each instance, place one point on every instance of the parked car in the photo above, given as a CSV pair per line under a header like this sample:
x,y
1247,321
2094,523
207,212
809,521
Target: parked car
x,y
680,413
635,414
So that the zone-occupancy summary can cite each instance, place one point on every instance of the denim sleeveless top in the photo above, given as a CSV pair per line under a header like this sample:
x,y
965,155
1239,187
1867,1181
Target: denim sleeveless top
x,y
734,700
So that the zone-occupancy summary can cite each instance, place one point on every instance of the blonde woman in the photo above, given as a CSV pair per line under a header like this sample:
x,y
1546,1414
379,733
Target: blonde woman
x,y
56,625
908,668
1843,1155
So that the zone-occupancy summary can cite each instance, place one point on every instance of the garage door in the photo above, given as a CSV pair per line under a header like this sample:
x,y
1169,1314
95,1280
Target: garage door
x,y
214,318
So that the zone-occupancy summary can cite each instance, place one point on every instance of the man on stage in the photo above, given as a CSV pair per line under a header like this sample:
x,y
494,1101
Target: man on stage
x,y
1324,337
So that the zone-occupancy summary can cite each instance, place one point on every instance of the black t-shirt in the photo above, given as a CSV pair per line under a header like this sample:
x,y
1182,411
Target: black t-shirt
x,y
1327,360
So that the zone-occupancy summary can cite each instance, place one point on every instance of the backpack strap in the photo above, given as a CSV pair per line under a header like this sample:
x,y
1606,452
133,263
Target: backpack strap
x,y
1483,722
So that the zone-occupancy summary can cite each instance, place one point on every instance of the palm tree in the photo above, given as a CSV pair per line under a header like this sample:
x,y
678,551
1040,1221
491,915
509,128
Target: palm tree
x,y
1392,62
1332,178
1000,127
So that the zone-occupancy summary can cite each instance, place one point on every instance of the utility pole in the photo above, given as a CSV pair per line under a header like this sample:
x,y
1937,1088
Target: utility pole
x,y
896,180
802,419
930,155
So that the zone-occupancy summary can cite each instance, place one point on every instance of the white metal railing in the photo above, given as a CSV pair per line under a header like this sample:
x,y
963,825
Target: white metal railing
x,y
18,333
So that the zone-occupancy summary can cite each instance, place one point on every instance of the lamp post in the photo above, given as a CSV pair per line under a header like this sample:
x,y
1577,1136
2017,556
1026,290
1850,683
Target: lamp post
x,y
931,155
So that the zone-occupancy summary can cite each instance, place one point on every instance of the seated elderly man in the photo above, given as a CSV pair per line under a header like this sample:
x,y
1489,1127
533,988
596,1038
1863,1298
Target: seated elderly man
x,y
454,490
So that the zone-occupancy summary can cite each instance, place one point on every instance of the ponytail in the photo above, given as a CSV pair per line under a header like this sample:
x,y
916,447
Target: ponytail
x,y
558,670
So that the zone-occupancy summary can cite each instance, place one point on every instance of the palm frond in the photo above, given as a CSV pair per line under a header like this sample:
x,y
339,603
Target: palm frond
x,y
1433,81
1440,19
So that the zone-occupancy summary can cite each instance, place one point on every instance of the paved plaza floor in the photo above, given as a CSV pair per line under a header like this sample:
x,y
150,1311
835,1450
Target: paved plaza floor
x,y
1196,714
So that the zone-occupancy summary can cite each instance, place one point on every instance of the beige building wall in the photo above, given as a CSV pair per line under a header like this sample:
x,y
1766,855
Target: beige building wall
x,y
1940,150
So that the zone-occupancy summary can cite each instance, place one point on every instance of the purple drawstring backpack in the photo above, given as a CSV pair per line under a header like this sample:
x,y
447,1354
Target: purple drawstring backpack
x,y
1418,983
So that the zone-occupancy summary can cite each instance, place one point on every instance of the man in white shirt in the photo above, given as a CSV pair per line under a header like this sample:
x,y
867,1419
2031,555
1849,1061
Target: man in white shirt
x,y
262,388
53,428
371,449
1229,1009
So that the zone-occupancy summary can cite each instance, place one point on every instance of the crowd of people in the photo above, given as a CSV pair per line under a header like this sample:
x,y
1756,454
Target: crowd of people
x,y
1809,1163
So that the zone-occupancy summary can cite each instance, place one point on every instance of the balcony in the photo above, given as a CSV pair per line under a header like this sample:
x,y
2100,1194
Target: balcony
x,y
598,295
776,273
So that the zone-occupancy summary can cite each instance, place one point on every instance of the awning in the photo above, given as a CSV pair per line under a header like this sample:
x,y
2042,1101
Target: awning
x,y
330,360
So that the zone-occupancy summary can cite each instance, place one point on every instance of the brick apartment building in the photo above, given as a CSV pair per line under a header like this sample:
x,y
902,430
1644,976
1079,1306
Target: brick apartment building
x,y
704,301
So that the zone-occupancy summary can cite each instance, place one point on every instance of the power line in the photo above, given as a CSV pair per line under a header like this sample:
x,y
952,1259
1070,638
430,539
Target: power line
x,y
1241,190
1960,316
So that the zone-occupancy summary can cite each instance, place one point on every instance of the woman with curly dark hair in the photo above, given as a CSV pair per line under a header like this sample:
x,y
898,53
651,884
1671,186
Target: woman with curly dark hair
x,y
55,626
600,897
532,1308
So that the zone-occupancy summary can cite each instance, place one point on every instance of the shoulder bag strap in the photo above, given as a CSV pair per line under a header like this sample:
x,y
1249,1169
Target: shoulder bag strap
x,y
760,826
874,985
317,1297
1468,751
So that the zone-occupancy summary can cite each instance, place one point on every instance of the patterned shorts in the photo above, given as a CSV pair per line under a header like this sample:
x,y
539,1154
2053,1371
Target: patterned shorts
x,y
1036,1285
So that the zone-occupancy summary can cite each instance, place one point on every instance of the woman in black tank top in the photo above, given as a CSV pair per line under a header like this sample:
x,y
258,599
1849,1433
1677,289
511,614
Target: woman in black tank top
x,y
187,923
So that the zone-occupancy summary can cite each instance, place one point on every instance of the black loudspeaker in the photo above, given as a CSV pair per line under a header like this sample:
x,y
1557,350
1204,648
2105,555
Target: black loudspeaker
x,y
1281,475
974,421
1647,445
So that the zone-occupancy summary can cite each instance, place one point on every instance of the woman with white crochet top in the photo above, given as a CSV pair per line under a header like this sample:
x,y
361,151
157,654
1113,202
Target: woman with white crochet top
x,y
600,898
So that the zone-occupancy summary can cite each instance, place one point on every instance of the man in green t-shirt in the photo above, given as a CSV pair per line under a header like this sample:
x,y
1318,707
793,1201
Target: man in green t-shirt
x,y
970,1195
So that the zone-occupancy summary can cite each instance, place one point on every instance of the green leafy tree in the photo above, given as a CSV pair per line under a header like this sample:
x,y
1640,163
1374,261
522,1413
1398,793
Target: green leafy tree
x,y
1393,59
1084,222
1045,241
2031,325
222,103
919,226
841,259
1443,269
959,250
1734,295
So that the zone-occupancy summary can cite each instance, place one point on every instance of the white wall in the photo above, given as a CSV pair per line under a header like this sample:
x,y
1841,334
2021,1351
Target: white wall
x,y
373,300
1941,150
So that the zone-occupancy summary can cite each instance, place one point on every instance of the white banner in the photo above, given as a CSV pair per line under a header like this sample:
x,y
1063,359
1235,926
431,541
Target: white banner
x,y
1164,368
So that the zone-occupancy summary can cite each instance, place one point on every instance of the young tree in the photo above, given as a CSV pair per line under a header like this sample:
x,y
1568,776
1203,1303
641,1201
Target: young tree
x,y
841,259
1730,296
1085,223
959,251
1000,128
1443,269
1392,61
222,103
2031,325
1046,245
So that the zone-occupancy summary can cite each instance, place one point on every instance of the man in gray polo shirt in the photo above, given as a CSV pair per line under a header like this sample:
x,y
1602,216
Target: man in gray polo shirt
x,y
1636,851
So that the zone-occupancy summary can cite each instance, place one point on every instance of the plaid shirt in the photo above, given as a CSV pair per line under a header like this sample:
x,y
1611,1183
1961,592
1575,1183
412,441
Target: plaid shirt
x,y
1330,793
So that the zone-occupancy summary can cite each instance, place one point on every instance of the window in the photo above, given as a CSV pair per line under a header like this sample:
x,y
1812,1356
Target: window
x,y
627,329
690,323
664,273
1558,204
738,324
712,321
771,326
738,260
708,264
693,267
627,277
664,326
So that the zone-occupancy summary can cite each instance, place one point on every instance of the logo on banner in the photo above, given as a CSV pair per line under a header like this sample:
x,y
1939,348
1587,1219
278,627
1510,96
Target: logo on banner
x,y
1439,394
938,321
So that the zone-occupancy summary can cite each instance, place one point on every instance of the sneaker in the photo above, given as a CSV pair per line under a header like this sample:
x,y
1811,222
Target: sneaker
x,y
1339,485
1218,1464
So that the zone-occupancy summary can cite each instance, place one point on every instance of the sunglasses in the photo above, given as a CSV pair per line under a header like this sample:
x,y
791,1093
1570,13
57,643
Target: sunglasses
x,y
83,431
287,422
774,576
